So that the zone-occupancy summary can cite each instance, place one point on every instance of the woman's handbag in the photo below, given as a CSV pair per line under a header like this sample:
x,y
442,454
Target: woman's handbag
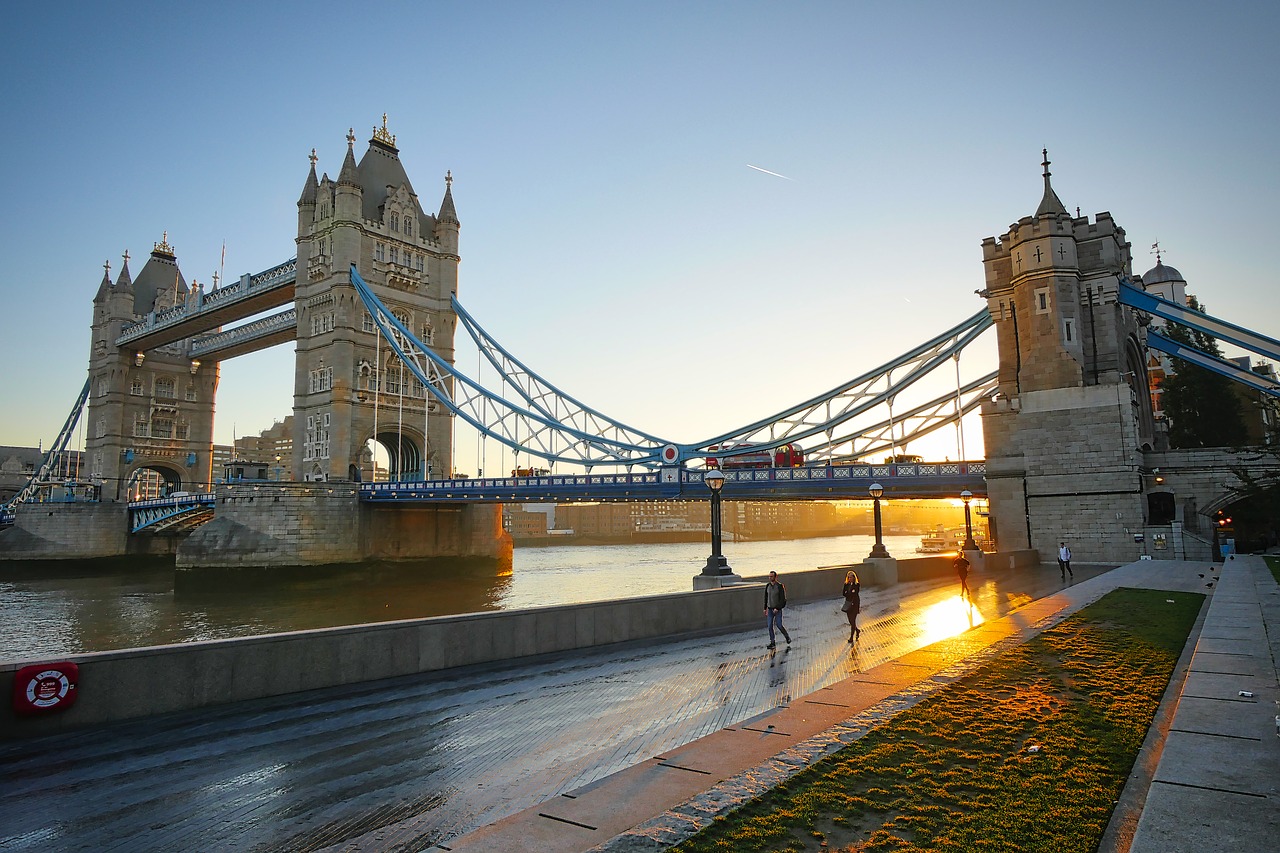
x,y
845,606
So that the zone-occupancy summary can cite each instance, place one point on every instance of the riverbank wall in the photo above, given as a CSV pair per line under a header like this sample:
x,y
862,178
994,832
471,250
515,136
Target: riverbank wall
x,y
134,683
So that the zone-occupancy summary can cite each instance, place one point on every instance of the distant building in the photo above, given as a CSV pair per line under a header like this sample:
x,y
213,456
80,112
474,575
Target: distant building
x,y
19,464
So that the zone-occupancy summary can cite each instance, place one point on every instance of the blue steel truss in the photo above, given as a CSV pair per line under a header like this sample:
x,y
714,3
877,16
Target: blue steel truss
x,y
41,476
1135,297
161,514
547,423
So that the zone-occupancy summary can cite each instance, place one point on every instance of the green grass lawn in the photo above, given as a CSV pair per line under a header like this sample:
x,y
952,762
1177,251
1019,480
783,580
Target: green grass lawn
x,y
1273,563
1028,752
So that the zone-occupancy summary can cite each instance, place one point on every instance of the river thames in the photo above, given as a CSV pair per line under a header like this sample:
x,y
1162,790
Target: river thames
x,y
70,608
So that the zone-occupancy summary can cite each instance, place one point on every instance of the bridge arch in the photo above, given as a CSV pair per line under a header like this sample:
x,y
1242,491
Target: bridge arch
x,y
150,479
402,451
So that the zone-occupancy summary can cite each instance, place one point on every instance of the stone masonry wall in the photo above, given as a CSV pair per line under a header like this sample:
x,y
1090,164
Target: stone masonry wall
x,y
73,531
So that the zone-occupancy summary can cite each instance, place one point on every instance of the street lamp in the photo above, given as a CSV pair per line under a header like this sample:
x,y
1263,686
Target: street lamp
x,y
878,551
716,563
969,544
278,470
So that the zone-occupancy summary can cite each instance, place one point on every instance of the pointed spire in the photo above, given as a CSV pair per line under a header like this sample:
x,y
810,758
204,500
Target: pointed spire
x,y
309,188
104,288
124,281
447,212
1050,203
348,175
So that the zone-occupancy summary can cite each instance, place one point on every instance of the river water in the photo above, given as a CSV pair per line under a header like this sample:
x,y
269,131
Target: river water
x,y
68,608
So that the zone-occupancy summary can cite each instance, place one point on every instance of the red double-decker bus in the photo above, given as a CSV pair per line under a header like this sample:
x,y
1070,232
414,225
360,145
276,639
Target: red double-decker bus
x,y
755,456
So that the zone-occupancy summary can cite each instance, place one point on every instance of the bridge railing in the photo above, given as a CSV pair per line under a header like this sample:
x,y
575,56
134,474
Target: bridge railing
x,y
248,285
936,479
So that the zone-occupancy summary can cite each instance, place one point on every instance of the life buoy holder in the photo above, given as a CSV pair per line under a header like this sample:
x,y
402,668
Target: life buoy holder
x,y
45,687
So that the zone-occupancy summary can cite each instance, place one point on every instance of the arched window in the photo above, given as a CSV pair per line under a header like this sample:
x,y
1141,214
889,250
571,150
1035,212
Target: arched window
x,y
164,387
408,226
395,222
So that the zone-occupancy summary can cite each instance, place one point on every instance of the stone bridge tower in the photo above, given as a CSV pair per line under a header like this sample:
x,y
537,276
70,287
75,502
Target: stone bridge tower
x,y
349,386
1066,432
152,410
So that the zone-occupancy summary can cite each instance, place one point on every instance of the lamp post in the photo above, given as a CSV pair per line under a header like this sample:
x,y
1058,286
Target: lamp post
x,y
969,544
278,469
716,563
878,551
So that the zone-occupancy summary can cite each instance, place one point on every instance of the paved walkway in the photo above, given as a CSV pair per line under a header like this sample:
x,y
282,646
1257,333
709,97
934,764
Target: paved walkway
x,y
558,753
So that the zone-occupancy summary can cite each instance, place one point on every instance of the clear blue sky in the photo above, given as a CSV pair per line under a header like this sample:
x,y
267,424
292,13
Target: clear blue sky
x,y
600,154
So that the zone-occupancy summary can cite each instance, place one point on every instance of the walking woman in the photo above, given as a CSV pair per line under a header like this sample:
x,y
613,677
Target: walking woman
x,y
852,603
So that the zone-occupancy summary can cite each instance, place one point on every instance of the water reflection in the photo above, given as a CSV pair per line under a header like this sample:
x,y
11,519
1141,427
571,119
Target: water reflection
x,y
53,609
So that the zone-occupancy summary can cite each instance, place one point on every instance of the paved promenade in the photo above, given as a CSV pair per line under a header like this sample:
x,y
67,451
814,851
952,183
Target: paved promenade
x,y
567,752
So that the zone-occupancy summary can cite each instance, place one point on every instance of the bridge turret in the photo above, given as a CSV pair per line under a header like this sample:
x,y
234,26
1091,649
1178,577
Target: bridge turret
x,y
307,201
348,196
447,225
1066,433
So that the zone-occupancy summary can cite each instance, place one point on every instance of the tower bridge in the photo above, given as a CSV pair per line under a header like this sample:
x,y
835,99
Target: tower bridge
x,y
371,302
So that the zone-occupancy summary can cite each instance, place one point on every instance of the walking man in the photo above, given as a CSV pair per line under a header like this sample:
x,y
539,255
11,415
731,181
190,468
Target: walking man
x,y
775,599
1064,560
961,564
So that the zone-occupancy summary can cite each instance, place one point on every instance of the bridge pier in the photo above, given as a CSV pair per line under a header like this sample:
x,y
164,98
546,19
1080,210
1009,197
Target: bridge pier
x,y
303,524
78,531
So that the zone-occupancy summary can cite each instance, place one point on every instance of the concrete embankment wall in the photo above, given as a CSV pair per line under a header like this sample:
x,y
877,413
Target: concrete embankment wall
x,y
127,684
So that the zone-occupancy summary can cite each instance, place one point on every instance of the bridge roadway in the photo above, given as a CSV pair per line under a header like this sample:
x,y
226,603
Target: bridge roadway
x,y
406,764
809,482
814,482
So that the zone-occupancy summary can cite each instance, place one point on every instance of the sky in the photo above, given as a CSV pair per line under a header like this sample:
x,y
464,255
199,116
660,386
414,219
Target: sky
x,y
687,215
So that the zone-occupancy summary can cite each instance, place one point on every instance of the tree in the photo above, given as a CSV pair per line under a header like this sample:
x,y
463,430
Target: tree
x,y
1202,407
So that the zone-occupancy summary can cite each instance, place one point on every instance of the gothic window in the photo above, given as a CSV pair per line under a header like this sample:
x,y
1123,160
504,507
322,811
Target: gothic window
x,y
428,334
140,426
1041,300
395,222
191,393
419,259
102,386
162,427
182,431
164,387
316,441
135,386
395,255
365,379
408,226
379,252
1069,331
321,380
366,324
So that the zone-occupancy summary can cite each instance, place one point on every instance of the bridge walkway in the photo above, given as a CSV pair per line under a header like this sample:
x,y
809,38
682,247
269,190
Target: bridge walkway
x,y
461,760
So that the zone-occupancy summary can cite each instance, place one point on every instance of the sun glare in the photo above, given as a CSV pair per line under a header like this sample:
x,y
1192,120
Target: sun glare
x,y
947,618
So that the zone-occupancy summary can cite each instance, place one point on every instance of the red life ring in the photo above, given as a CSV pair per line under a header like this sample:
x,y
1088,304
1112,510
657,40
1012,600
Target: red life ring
x,y
45,687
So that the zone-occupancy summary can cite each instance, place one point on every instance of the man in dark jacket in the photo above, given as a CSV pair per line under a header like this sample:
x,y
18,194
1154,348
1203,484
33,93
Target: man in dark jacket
x,y
775,599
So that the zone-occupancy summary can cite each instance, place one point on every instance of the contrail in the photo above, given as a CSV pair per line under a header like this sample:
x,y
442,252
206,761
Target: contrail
x,y
767,172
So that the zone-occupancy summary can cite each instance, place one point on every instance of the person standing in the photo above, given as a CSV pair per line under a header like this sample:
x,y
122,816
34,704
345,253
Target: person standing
x,y
1064,560
961,565
775,599
852,603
